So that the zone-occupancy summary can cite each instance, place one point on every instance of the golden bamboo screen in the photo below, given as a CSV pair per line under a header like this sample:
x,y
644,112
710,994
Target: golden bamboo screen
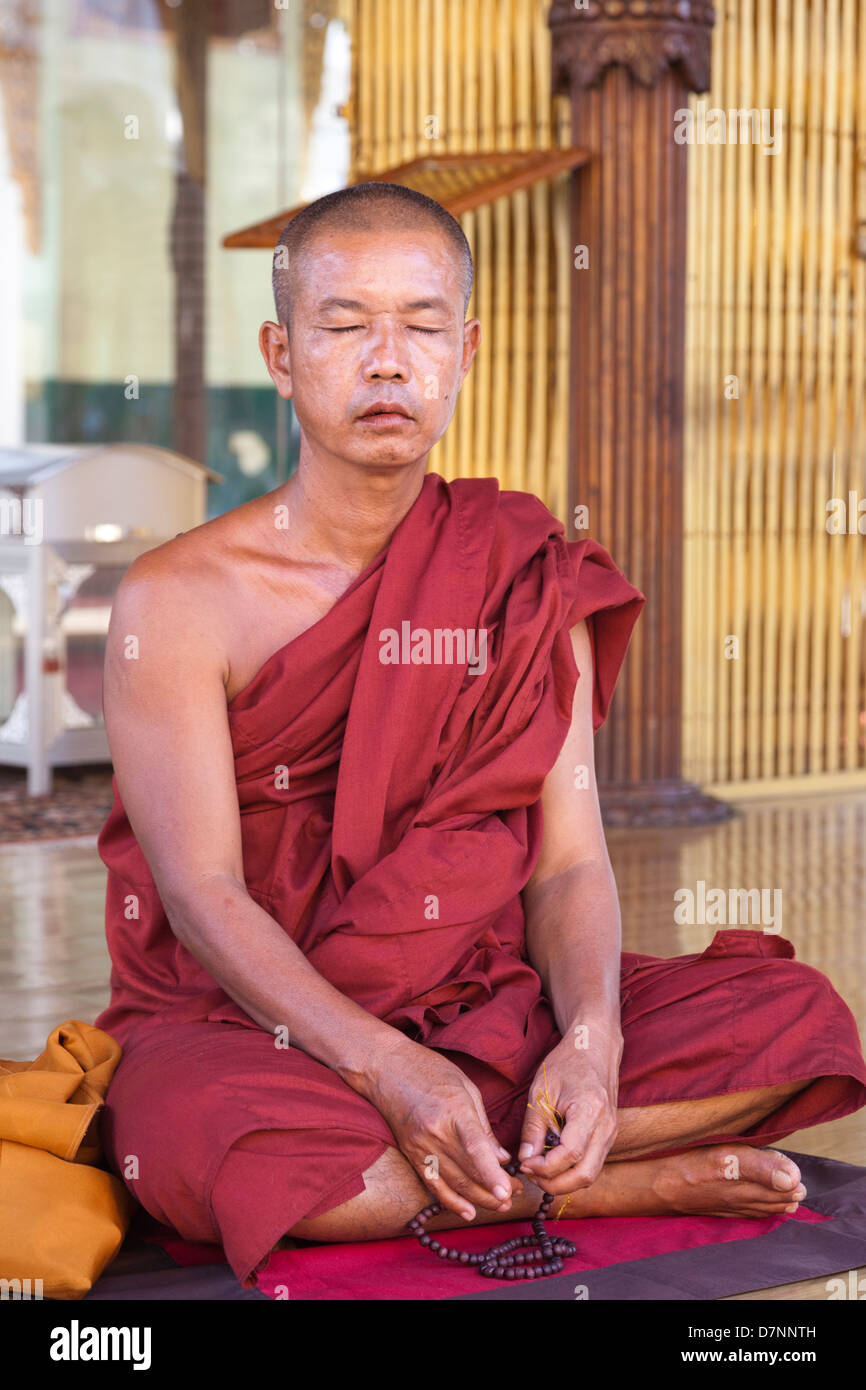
x,y
775,604
465,76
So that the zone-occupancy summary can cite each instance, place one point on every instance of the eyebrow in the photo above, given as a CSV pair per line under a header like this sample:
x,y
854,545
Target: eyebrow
x,y
334,302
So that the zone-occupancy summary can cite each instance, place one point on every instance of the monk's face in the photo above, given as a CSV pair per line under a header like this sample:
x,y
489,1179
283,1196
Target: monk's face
x,y
377,317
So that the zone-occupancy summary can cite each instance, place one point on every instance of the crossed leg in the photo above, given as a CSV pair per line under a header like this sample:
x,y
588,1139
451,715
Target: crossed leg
x,y
632,1182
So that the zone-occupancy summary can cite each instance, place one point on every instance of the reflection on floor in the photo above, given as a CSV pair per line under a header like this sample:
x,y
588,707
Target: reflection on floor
x,y
54,964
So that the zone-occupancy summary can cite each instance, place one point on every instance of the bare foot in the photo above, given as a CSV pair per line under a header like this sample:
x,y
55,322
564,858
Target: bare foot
x,y
720,1180
729,1180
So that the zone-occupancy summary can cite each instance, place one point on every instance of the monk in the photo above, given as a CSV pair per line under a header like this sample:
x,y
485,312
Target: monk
x,y
363,924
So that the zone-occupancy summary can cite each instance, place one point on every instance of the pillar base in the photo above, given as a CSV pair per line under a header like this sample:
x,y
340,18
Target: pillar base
x,y
660,803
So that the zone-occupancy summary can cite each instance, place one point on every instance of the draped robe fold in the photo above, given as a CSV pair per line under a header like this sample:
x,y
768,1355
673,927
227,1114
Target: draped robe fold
x,y
390,817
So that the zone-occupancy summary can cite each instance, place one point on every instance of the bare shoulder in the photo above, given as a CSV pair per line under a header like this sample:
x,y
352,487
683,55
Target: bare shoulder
x,y
178,597
206,553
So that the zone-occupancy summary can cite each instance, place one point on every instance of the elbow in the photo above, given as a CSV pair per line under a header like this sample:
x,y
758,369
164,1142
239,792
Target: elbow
x,y
560,878
187,899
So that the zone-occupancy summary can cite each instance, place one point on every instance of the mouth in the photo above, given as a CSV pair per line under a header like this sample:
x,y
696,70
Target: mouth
x,y
385,413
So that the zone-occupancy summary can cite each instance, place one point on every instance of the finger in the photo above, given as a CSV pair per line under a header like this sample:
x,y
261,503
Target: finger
x,y
502,1153
485,1125
563,1156
585,1172
449,1199
599,1148
532,1134
479,1162
452,1172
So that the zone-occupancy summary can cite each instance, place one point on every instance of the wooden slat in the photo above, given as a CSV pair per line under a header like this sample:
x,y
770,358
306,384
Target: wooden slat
x,y
763,509
812,60
846,548
790,30
855,699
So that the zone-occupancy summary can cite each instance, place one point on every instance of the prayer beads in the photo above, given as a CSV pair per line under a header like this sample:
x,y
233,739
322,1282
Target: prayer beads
x,y
522,1257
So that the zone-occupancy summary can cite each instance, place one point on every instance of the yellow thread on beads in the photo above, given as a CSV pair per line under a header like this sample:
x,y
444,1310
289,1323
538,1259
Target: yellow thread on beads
x,y
551,1116
545,1107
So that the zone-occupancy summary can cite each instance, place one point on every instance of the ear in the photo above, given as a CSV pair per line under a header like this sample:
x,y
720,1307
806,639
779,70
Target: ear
x,y
274,347
471,341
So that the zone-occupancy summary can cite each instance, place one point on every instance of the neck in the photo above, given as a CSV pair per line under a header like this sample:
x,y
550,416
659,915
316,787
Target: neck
x,y
345,515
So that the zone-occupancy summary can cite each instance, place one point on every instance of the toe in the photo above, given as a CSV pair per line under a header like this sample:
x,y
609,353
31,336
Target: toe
x,y
785,1173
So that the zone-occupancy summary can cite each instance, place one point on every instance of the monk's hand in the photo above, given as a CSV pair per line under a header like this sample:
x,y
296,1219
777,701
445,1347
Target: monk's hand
x,y
579,1080
437,1116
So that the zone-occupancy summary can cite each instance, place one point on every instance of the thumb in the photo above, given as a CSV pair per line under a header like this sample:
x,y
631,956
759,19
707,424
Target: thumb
x,y
532,1136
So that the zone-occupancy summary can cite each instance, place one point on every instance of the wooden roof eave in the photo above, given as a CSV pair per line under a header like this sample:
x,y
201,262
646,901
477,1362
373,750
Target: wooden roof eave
x,y
460,182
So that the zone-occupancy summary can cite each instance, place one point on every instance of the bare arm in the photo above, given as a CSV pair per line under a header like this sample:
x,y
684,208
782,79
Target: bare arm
x,y
573,937
167,724
573,928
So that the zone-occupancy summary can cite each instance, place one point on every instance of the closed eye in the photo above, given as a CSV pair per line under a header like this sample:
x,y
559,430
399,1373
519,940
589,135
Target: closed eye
x,y
353,328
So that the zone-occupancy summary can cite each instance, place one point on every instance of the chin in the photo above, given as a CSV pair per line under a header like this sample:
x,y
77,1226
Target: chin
x,y
390,462
391,453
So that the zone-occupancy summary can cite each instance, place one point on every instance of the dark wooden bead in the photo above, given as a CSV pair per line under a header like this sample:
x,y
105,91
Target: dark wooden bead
x,y
464,1257
454,1254
426,1240
434,1245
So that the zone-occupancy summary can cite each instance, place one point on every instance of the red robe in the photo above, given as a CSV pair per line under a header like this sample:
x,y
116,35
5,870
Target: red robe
x,y
395,859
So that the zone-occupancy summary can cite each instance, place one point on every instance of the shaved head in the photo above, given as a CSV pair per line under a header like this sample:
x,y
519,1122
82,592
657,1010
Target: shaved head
x,y
374,207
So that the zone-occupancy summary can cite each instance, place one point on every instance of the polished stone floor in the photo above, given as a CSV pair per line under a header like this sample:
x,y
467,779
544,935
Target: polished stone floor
x,y
54,964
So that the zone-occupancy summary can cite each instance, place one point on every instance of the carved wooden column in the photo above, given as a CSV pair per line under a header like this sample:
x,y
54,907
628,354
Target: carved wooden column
x,y
628,66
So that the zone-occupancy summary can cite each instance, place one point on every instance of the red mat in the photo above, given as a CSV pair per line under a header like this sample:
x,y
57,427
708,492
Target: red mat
x,y
402,1269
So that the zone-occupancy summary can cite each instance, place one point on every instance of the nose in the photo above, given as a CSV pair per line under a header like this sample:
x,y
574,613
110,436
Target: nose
x,y
385,354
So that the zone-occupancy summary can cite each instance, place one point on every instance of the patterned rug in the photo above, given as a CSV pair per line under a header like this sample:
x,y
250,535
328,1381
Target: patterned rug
x,y
78,804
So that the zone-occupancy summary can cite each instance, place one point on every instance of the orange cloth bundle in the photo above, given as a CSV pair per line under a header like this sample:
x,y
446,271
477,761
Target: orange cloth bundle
x,y
62,1218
